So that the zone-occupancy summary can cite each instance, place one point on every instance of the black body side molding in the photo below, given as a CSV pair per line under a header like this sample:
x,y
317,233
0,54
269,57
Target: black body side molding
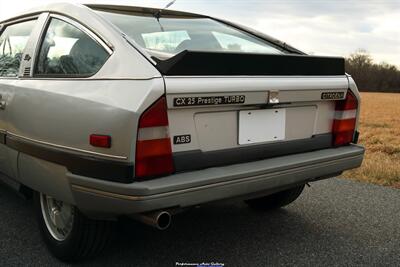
x,y
191,63
197,160
76,163
123,172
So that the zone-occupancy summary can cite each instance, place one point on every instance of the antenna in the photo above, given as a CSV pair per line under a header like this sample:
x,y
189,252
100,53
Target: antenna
x,y
169,4
158,13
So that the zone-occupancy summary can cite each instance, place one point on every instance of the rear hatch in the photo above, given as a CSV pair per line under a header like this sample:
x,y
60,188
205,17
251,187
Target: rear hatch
x,y
218,117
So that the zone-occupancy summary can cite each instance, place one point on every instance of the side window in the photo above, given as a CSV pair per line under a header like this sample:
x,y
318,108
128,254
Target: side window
x,y
67,51
12,44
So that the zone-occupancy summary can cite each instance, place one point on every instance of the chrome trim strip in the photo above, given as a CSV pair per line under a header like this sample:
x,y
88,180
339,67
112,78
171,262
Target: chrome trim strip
x,y
19,19
106,194
250,77
105,44
67,147
90,79
38,43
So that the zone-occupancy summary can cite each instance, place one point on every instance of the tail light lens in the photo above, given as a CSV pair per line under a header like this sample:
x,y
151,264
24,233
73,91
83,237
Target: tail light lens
x,y
153,145
344,123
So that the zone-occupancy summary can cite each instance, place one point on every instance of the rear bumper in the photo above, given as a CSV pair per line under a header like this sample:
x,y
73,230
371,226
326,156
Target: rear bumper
x,y
98,198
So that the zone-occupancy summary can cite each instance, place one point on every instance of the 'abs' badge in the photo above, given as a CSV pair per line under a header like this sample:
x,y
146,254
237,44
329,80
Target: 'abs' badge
x,y
182,139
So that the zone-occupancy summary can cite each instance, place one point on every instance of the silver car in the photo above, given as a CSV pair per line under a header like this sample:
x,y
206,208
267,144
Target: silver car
x,y
109,111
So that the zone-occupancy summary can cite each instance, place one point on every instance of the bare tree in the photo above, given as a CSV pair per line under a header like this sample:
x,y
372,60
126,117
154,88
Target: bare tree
x,y
369,76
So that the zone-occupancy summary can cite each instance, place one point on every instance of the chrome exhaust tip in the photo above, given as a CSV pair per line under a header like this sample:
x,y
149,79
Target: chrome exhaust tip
x,y
163,220
158,219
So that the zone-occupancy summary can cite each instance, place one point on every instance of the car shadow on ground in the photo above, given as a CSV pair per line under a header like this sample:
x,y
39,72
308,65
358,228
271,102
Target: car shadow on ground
x,y
226,233
320,228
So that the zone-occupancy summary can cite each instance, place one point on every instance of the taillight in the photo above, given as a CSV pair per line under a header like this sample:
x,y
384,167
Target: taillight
x,y
153,145
344,123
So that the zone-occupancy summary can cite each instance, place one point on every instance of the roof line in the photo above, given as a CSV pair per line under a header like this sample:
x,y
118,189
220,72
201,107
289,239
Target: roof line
x,y
149,10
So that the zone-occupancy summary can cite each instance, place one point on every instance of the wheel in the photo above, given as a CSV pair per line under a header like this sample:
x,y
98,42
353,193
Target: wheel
x,y
69,235
276,200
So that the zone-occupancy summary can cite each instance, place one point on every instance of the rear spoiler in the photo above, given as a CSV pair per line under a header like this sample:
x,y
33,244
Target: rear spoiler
x,y
201,63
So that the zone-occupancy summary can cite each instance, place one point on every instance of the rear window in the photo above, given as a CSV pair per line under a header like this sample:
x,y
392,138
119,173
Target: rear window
x,y
164,41
172,35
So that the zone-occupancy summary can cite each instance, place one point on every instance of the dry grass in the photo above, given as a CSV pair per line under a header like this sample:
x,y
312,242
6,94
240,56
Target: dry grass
x,y
380,134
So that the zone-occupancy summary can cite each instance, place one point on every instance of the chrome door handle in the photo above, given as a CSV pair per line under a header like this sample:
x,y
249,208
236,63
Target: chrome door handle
x,y
2,103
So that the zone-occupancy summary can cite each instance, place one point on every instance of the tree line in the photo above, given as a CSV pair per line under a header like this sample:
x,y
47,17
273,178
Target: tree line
x,y
370,76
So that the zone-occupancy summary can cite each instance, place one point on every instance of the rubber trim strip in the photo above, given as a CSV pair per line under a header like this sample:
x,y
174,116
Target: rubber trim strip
x,y
75,162
90,153
197,159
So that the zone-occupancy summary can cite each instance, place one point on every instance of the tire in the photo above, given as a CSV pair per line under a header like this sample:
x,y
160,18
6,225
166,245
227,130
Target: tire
x,y
68,234
276,200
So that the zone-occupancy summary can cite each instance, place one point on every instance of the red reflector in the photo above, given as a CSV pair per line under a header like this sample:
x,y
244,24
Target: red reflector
x,y
153,157
156,115
348,104
100,140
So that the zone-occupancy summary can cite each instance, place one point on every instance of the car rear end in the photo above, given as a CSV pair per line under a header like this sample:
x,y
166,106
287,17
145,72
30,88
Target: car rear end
x,y
230,123
217,121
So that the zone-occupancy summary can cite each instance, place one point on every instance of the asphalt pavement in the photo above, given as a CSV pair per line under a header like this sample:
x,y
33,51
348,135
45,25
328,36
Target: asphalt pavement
x,y
335,222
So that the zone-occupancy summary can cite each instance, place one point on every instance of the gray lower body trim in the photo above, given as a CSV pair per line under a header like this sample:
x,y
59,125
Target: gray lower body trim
x,y
187,189
196,159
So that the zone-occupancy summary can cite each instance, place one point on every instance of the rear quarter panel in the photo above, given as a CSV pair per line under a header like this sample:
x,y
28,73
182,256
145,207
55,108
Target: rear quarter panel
x,y
66,112
62,115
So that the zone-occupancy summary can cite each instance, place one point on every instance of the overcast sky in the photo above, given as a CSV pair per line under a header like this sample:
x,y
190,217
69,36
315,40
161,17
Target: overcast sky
x,y
324,27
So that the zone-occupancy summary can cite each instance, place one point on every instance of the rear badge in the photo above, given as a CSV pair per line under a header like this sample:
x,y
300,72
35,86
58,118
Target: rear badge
x,y
182,139
332,95
209,100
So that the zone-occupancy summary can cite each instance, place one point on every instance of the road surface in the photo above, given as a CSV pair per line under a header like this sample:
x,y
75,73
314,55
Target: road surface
x,y
335,222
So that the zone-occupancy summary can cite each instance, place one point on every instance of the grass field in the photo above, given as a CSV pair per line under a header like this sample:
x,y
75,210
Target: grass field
x,y
380,134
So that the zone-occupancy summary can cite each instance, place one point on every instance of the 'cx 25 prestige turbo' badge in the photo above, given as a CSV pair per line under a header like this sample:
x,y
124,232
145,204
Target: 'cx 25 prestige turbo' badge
x,y
332,95
209,100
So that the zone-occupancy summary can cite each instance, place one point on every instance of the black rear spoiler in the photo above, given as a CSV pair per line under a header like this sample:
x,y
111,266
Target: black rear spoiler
x,y
199,63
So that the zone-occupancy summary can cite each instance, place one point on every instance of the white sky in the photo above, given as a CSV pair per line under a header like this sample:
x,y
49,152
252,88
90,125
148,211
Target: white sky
x,y
325,27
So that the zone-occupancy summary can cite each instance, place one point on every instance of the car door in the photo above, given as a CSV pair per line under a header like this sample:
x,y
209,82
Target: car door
x,y
14,39
51,102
